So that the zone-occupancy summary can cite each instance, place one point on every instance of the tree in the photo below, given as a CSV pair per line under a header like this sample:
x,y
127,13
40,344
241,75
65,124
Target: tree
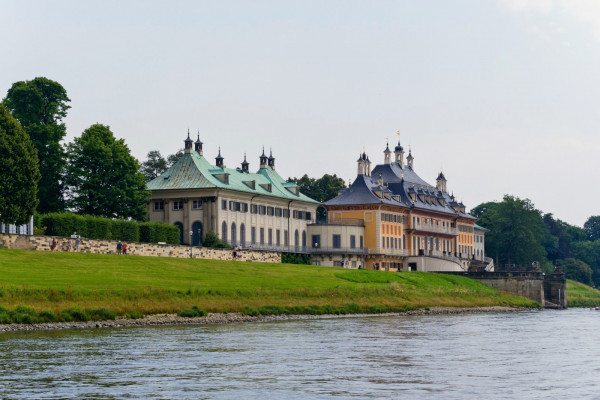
x,y
40,105
154,166
576,270
173,158
19,171
589,252
323,189
592,227
103,178
517,231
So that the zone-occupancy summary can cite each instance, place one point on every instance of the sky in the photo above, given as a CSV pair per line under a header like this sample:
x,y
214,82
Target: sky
x,y
501,95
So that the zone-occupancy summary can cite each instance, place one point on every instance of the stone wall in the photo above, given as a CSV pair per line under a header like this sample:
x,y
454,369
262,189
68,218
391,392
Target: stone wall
x,y
42,243
548,290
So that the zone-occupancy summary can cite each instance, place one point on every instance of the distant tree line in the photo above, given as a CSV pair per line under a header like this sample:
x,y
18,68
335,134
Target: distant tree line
x,y
519,234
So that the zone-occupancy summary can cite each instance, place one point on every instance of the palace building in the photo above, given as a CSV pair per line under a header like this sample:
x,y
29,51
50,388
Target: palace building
x,y
250,209
391,219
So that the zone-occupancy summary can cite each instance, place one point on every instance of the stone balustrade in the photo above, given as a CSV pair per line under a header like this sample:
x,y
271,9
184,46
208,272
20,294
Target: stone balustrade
x,y
42,243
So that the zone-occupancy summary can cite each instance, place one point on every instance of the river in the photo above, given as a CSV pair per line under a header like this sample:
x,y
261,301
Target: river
x,y
525,355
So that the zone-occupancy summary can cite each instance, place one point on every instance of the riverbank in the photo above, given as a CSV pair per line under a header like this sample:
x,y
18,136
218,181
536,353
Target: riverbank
x,y
231,318
45,287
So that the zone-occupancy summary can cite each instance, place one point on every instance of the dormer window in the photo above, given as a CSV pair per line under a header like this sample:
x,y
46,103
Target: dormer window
x,y
267,186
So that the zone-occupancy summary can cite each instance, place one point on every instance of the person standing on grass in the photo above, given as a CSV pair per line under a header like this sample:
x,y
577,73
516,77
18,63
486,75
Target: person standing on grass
x,y
77,242
124,247
119,247
53,244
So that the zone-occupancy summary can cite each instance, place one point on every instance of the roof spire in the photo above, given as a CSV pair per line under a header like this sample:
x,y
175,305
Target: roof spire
x,y
188,144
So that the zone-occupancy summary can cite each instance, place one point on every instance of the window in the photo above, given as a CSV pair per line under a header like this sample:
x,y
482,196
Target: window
x,y
316,241
286,213
337,241
262,235
278,212
304,239
270,237
253,235
361,242
278,237
159,205
262,210
352,241
337,264
224,231
178,205
307,215
270,211
243,235
197,204
286,240
245,207
231,206
223,204
254,209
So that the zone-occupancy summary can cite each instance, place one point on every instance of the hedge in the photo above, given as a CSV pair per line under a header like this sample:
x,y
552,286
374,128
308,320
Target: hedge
x,y
92,227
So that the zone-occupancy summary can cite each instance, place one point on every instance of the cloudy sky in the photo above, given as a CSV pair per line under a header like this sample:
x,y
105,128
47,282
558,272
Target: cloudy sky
x,y
502,95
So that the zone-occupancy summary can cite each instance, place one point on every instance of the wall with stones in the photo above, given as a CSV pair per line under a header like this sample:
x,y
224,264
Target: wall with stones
x,y
42,243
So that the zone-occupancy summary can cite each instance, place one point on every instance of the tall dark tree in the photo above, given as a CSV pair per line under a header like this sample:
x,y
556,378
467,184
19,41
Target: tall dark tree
x,y
173,158
19,171
103,177
154,166
322,189
589,252
592,227
40,106
517,231
576,270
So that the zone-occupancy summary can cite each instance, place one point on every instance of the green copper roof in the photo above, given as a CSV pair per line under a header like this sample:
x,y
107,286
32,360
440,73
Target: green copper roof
x,y
192,171
480,228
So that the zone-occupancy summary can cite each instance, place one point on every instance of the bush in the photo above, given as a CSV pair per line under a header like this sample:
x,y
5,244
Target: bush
x,y
64,224
100,314
135,315
295,259
74,314
47,316
192,312
212,240
124,230
97,227
154,232
250,311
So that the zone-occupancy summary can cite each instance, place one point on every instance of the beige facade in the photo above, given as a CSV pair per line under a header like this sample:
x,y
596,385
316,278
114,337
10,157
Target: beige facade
x,y
338,244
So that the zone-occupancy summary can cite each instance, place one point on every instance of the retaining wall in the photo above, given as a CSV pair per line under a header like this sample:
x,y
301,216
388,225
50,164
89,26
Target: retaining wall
x,y
42,243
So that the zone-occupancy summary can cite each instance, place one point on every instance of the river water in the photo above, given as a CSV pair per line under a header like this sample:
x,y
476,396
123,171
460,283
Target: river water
x,y
525,355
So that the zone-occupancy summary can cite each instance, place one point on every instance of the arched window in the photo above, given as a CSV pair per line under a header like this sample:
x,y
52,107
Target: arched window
x,y
197,233
296,238
242,235
303,238
233,234
224,231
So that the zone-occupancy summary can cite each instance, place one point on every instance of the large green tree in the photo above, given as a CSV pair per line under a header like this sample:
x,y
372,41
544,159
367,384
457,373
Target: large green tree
x,y
517,231
592,227
322,189
576,270
40,106
103,178
19,171
154,165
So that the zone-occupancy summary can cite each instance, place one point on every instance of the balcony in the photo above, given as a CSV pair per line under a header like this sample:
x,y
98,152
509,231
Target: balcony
x,y
337,250
267,247
447,230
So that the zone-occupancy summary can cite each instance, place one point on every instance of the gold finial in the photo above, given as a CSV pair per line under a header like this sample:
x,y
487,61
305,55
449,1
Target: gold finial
x,y
398,133
349,182
387,139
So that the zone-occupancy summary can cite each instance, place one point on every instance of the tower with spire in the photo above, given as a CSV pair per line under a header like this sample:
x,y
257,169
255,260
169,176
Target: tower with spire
x,y
441,183
271,159
198,145
219,159
263,159
387,154
409,159
245,165
188,144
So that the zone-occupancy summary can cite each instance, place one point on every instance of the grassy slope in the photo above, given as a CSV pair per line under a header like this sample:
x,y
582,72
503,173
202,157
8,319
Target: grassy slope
x,y
125,284
580,295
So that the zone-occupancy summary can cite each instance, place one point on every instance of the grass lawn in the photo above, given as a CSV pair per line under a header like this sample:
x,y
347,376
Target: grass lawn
x,y
580,295
56,281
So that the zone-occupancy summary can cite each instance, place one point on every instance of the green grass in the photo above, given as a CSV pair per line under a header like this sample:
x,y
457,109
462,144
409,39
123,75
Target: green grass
x,y
131,285
581,295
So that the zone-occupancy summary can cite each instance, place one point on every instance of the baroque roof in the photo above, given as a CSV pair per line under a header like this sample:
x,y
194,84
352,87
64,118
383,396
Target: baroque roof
x,y
400,187
193,171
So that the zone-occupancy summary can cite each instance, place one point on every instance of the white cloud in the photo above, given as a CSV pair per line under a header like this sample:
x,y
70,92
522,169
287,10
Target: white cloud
x,y
543,6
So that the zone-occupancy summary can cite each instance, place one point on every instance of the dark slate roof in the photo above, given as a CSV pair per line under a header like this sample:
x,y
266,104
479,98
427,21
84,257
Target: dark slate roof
x,y
399,184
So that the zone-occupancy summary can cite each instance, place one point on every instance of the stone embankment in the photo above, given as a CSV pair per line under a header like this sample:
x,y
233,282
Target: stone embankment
x,y
217,318
42,243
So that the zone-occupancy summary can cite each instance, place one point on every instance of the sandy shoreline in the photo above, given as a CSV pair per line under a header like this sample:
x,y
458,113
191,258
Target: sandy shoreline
x,y
217,318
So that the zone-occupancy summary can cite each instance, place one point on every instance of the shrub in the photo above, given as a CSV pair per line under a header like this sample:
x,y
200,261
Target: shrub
x,y
135,315
98,227
100,314
64,224
74,314
212,240
192,312
21,309
124,230
47,316
154,232
271,310
295,259
250,311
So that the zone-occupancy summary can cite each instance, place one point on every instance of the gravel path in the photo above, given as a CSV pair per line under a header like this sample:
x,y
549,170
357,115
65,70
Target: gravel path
x,y
217,318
